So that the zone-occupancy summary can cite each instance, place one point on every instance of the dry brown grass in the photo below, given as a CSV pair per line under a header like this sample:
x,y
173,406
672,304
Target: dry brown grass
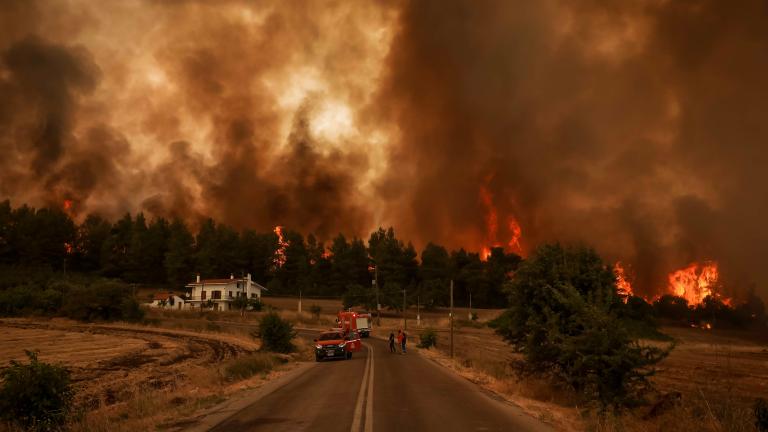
x,y
129,377
718,375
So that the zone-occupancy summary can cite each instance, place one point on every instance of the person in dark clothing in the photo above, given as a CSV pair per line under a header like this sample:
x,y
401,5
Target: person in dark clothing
x,y
405,338
392,342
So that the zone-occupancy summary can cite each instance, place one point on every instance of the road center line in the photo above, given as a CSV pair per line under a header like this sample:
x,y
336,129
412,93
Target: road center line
x,y
361,394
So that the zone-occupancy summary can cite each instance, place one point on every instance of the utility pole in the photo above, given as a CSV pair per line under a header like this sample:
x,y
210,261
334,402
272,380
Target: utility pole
x,y
451,318
376,285
470,305
418,312
405,319
299,303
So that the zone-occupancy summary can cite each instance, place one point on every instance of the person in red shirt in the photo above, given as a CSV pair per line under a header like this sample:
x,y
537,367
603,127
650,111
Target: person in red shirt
x,y
400,341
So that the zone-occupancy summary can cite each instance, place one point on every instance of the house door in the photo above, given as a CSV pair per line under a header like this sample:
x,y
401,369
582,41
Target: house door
x,y
215,306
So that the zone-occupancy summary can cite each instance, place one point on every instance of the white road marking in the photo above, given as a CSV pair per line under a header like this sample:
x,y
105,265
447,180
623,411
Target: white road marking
x,y
361,394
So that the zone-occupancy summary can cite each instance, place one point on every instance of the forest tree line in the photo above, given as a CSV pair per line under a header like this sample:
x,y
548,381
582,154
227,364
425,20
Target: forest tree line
x,y
168,253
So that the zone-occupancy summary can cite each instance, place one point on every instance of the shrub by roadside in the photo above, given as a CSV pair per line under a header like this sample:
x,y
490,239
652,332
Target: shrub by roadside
x,y
276,334
427,338
35,396
247,366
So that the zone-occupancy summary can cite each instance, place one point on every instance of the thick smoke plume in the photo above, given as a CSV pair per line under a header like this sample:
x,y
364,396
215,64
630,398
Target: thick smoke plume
x,y
637,127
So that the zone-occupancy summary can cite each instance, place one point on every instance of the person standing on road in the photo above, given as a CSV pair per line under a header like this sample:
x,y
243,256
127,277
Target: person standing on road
x,y
392,343
400,340
405,338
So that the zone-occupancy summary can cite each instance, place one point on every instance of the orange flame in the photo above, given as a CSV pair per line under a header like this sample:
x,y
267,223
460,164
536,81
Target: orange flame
x,y
67,205
492,225
624,287
485,253
281,245
695,282
517,232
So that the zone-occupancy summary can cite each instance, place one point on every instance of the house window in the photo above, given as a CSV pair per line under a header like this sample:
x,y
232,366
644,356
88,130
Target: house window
x,y
230,294
216,295
253,295
202,295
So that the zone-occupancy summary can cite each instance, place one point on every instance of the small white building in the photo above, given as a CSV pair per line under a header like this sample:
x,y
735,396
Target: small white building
x,y
221,292
168,300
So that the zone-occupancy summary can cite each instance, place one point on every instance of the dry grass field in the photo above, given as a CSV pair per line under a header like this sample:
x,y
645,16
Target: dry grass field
x,y
130,377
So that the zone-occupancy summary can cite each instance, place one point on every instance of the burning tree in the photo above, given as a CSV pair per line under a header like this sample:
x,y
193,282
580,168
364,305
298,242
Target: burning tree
x,y
564,318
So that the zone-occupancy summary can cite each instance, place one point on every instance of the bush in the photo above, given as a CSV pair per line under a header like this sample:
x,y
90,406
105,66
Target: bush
x,y
275,333
35,396
246,367
761,415
564,320
255,305
315,310
29,299
428,338
101,301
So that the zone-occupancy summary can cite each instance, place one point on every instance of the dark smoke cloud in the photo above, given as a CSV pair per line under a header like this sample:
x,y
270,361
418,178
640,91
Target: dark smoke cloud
x,y
638,127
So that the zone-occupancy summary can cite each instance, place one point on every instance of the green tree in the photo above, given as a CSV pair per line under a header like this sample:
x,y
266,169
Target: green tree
x,y
206,248
35,396
114,253
158,236
294,274
349,265
435,273
258,254
179,267
563,320
396,264
91,236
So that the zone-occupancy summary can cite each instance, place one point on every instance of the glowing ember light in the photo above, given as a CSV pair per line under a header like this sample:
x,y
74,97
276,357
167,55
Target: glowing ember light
x,y
624,287
67,205
695,282
68,248
281,245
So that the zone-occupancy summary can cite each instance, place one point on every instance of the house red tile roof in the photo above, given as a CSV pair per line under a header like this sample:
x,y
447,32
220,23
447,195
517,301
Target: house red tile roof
x,y
163,295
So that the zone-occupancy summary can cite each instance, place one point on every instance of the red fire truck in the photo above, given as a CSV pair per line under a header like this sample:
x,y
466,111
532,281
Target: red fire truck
x,y
359,321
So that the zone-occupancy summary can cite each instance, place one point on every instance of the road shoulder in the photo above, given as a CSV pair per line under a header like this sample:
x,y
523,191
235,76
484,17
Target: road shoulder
x,y
211,417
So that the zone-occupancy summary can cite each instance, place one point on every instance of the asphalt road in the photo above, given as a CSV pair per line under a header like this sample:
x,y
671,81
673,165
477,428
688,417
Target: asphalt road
x,y
380,391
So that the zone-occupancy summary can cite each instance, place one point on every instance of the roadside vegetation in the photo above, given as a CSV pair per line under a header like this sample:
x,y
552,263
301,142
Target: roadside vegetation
x,y
35,396
247,366
276,334
565,319
427,339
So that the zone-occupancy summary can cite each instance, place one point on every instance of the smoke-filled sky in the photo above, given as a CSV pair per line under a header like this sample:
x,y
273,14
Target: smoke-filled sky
x,y
639,127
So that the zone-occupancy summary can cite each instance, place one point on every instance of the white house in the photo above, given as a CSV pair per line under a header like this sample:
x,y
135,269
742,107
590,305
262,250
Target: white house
x,y
221,292
168,300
